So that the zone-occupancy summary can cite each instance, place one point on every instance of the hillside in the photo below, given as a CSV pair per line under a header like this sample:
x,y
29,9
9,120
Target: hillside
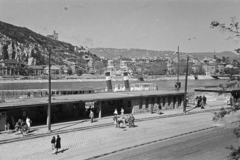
x,y
31,48
111,53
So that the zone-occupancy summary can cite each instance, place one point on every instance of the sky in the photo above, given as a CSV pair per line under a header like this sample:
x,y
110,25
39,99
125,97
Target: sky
x,y
144,24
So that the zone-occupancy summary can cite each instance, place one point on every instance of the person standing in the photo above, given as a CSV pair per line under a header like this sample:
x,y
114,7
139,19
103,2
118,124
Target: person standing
x,y
115,120
28,122
115,112
53,141
130,121
91,115
58,144
204,100
133,119
122,111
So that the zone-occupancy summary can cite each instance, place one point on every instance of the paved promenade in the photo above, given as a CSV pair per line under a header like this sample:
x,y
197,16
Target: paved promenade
x,y
83,140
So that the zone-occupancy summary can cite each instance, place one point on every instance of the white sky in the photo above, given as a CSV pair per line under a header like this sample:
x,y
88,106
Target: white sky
x,y
146,24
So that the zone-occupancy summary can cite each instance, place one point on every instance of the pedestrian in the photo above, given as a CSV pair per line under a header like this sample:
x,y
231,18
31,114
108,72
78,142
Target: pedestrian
x,y
58,144
196,101
24,129
53,141
133,119
159,108
204,100
199,101
91,115
28,122
122,111
115,121
7,126
130,121
115,112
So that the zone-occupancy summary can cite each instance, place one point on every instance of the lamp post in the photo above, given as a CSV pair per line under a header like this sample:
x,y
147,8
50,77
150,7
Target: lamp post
x,y
177,84
49,94
185,92
178,68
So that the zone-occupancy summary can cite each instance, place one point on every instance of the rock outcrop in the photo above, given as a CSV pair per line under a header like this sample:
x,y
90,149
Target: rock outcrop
x,y
28,47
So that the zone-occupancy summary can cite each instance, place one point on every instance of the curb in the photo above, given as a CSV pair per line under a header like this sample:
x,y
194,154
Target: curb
x,y
155,141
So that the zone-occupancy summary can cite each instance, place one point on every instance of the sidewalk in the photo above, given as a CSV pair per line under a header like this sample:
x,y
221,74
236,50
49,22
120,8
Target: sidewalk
x,y
60,128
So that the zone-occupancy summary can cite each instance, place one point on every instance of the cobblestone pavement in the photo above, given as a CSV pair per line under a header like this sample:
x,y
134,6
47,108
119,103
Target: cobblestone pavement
x,y
81,144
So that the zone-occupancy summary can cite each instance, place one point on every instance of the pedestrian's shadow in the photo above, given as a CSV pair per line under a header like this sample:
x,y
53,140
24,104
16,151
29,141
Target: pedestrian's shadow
x,y
95,120
191,109
63,150
33,130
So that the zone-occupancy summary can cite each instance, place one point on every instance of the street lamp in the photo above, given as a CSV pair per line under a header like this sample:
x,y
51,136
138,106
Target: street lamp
x,y
49,93
177,84
185,92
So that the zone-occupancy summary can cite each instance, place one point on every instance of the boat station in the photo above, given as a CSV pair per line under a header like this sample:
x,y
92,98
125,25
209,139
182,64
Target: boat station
x,y
74,105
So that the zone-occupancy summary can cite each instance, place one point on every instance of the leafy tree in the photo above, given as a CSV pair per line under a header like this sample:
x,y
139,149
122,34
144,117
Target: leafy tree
x,y
69,71
200,70
233,30
231,71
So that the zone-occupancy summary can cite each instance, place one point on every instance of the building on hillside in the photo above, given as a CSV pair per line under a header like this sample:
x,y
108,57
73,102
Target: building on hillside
x,y
54,36
54,70
89,60
37,69
64,69
10,67
209,67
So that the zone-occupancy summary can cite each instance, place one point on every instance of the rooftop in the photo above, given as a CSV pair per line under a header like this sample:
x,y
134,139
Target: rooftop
x,y
83,98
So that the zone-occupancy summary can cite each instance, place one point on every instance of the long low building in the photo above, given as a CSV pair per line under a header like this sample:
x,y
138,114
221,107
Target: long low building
x,y
75,106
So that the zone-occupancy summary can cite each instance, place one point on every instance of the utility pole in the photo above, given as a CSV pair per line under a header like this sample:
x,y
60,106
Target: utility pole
x,y
177,84
178,68
49,94
185,93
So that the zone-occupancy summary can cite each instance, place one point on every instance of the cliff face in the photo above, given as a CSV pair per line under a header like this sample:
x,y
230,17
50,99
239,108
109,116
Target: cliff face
x,y
31,48
30,53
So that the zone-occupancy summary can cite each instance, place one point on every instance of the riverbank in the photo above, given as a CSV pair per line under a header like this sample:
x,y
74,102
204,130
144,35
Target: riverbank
x,y
78,79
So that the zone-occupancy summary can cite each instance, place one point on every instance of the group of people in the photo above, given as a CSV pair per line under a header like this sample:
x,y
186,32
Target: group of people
x,y
120,121
23,127
56,144
201,101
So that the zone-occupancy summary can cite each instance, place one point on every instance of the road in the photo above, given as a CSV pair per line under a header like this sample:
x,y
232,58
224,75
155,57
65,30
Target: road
x,y
206,145
100,142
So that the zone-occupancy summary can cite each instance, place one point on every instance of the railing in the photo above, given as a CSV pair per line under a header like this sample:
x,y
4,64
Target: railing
x,y
13,95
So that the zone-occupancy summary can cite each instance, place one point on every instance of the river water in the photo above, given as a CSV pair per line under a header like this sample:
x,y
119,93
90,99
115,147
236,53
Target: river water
x,y
162,84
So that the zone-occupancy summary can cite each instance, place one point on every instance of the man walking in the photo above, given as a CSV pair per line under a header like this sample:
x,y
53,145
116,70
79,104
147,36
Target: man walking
x,y
204,100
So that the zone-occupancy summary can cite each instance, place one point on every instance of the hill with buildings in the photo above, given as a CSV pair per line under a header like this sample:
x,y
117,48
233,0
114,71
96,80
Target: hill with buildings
x,y
25,46
112,53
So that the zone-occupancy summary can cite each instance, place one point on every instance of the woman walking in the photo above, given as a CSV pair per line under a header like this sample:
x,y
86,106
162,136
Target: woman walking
x,y
91,116
28,122
58,144
53,141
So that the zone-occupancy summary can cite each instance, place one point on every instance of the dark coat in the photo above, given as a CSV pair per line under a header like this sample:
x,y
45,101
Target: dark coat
x,y
58,142
53,140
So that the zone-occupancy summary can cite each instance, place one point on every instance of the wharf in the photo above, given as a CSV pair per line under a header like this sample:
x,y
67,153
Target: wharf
x,y
63,99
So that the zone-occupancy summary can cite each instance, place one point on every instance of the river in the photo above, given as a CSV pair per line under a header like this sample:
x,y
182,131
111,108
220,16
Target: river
x,y
162,84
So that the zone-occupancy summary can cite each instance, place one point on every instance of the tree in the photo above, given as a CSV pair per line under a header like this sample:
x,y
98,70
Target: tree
x,y
233,30
69,71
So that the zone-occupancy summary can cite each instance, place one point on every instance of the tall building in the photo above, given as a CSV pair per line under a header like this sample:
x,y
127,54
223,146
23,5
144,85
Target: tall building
x,y
54,36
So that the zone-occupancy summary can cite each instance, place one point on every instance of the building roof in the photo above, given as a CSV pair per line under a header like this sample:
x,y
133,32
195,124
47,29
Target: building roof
x,y
10,61
31,102
36,67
